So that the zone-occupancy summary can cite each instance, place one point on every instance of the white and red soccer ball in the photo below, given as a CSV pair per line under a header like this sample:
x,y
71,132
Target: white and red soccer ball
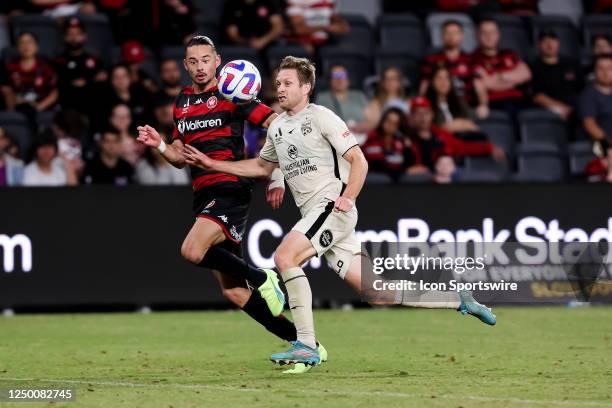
x,y
239,81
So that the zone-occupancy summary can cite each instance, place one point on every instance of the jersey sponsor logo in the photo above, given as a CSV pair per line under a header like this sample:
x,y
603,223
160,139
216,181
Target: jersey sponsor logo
x,y
197,124
211,103
292,151
326,238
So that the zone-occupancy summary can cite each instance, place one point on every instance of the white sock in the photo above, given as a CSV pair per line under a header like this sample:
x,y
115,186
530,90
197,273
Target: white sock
x,y
300,303
433,299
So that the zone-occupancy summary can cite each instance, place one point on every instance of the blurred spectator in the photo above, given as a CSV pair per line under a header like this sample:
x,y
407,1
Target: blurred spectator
x,y
450,111
445,170
502,71
600,45
133,55
385,146
599,169
76,68
256,23
429,142
108,167
47,168
123,90
163,110
420,7
348,104
121,121
598,6
31,83
170,76
176,21
70,129
596,107
153,169
11,168
519,7
390,92
459,65
312,22
557,81
130,19
268,94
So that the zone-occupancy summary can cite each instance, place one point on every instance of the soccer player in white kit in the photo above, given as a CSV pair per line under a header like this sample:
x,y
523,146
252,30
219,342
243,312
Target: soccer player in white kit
x,y
325,170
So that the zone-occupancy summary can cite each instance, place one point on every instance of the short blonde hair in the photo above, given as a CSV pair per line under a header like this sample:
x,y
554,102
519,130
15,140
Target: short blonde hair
x,y
305,69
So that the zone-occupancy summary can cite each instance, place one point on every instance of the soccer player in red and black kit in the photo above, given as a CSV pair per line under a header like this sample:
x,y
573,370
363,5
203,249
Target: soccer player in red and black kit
x,y
208,122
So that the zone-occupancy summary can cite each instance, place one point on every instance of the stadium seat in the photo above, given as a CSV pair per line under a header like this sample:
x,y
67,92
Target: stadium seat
x,y
486,164
479,176
44,28
367,8
542,126
580,154
277,52
99,34
5,38
358,65
570,8
210,10
375,177
436,20
44,119
540,162
515,34
360,39
232,52
402,33
208,28
500,131
16,125
410,66
594,24
565,29
415,178
149,65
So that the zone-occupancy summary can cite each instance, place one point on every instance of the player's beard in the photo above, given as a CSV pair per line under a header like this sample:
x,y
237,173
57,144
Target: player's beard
x,y
203,83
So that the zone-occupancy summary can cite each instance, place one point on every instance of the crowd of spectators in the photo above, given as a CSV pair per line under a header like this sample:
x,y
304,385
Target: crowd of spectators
x,y
82,105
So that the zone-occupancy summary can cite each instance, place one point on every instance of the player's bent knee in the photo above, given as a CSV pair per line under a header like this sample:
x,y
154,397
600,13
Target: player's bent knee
x,y
284,260
191,253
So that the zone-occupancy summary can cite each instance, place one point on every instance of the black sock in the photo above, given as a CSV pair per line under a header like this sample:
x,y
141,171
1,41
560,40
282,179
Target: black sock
x,y
224,261
282,327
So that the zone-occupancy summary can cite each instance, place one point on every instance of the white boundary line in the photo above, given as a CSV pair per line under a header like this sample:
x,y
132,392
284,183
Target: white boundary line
x,y
572,403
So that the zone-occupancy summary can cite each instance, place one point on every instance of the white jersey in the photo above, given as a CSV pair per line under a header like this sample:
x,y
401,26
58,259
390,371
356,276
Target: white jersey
x,y
308,147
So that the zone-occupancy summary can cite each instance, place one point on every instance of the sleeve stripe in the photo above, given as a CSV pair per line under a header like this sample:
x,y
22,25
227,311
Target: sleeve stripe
x,y
356,144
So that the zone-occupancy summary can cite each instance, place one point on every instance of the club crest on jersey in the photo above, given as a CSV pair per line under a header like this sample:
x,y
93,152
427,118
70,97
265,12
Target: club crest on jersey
x,y
211,103
306,127
292,151
326,238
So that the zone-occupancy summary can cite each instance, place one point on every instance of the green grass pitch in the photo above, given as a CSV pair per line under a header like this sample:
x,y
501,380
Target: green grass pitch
x,y
540,357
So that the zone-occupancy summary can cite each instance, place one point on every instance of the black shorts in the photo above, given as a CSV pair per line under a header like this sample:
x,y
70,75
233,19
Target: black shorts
x,y
230,210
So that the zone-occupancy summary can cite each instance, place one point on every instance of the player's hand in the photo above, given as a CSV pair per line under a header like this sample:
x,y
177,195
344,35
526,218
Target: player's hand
x,y
148,136
194,157
343,204
274,197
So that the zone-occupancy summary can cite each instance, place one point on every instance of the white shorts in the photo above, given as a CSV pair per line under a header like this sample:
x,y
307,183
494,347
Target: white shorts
x,y
332,234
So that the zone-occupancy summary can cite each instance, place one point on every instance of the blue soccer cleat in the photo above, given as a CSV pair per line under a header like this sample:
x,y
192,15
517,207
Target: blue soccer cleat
x,y
298,353
469,305
301,368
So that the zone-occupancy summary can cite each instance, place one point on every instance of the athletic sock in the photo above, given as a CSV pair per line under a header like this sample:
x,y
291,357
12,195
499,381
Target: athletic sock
x,y
280,326
300,303
224,261
433,299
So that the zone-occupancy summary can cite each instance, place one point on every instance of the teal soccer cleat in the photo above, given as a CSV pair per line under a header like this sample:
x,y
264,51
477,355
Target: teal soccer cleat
x,y
301,368
469,305
298,353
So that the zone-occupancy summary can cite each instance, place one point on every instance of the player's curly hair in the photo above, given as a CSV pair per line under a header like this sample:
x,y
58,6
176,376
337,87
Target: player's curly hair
x,y
304,67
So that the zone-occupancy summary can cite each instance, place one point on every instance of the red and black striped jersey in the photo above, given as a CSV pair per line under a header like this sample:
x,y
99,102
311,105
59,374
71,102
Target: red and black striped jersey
x,y
460,69
215,126
503,61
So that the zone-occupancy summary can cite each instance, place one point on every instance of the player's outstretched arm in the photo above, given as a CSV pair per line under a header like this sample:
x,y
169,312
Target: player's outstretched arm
x,y
357,176
252,168
148,136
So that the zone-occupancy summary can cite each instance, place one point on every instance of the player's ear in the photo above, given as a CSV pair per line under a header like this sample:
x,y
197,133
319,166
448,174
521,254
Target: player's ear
x,y
307,88
217,60
185,64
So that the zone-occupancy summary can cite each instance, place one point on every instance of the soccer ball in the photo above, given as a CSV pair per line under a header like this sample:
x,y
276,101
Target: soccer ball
x,y
239,81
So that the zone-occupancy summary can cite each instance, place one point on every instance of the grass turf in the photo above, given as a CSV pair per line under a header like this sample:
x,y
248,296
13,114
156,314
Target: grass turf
x,y
541,357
